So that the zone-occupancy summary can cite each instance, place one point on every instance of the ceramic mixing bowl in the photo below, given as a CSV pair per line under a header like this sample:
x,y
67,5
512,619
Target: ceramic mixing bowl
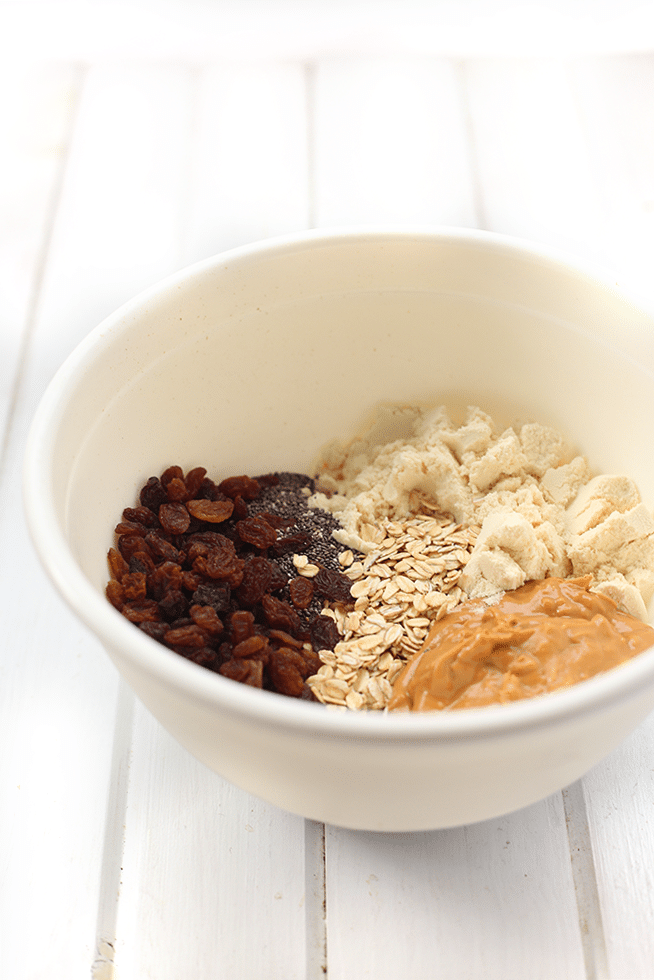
x,y
250,362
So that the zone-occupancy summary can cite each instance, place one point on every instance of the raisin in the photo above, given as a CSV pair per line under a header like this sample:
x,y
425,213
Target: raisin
x,y
129,544
216,596
176,490
161,548
279,613
324,633
141,611
176,624
186,636
240,486
210,539
257,577
268,480
245,671
333,585
117,564
279,578
241,625
141,561
292,657
248,647
156,630
207,619
115,594
153,494
240,509
165,577
195,549
235,577
256,531
171,473
141,515
284,675
174,518
134,585
220,564
313,663
208,491
130,527
211,511
254,677
194,479
225,650
301,591
275,520
203,656
190,581
284,639
173,605
296,543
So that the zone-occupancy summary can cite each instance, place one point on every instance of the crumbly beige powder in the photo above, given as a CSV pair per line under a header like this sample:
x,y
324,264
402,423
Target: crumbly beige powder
x,y
533,505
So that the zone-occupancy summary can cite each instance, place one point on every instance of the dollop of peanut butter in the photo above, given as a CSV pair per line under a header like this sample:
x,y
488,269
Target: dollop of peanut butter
x,y
545,635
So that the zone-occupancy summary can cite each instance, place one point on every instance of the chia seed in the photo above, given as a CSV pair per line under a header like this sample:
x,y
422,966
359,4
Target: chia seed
x,y
286,496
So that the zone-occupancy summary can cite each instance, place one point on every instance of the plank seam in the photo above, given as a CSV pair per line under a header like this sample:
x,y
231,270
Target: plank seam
x,y
591,926
114,838
315,891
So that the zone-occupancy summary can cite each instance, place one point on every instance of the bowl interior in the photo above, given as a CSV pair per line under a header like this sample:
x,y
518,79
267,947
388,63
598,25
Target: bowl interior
x,y
252,362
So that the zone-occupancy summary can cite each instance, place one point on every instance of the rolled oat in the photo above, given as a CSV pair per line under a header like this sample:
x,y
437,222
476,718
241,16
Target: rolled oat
x,y
392,612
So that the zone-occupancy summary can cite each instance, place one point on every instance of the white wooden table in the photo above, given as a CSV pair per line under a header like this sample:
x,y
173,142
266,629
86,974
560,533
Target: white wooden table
x,y
120,855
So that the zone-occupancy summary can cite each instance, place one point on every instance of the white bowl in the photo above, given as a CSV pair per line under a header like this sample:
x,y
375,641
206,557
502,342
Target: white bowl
x,y
251,361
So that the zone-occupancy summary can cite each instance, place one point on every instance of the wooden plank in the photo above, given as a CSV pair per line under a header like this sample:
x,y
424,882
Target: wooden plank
x,y
213,881
56,722
36,111
619,795
615,103
534,167
124,194
559,164
390,143
491,900
249,175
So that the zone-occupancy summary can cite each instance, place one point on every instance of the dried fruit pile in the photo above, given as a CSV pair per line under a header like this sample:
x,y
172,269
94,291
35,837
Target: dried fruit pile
x,y
211,571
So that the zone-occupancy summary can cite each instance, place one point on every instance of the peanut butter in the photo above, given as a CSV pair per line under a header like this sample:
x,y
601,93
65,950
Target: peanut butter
x,y
545,635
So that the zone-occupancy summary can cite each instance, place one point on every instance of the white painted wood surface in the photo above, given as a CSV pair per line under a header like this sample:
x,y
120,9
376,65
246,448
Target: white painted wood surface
x,y
121,856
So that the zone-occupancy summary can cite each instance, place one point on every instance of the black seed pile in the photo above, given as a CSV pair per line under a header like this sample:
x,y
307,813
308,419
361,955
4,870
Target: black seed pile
x,y
285,495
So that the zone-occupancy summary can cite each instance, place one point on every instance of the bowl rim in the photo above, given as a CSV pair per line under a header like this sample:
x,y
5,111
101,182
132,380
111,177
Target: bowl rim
x,y
628,681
